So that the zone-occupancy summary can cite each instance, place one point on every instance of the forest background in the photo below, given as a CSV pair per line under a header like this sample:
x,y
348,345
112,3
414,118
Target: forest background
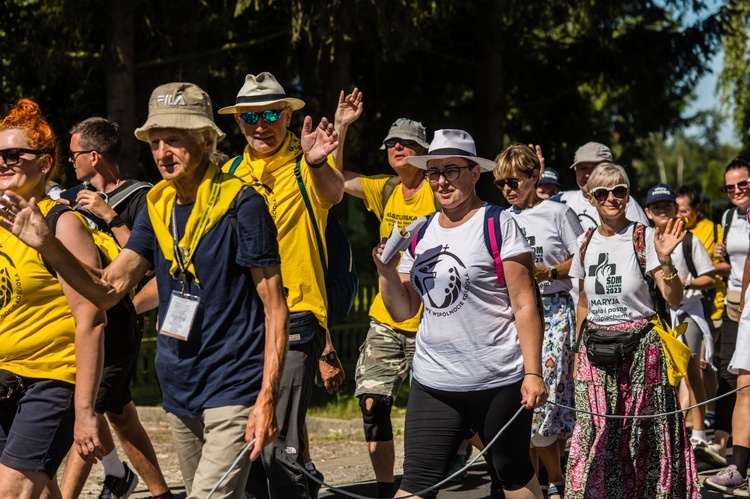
x,y
557,73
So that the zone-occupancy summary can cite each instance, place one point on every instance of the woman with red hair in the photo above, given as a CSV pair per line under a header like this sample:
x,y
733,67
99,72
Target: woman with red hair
x,y
51,338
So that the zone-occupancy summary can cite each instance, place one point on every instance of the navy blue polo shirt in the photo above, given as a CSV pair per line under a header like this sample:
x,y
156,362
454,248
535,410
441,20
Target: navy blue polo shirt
x,y
221,363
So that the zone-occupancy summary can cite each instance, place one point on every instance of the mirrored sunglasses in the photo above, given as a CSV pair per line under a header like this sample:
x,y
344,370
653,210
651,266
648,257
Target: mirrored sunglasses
x,y
269,116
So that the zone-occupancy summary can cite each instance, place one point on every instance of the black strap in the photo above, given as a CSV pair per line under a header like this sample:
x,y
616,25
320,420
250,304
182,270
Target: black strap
x,y
687,252
131,187
728,223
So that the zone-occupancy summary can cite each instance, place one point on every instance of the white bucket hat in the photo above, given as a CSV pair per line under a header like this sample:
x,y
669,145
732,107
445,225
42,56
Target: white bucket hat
x,y
179,105
451,143
261,90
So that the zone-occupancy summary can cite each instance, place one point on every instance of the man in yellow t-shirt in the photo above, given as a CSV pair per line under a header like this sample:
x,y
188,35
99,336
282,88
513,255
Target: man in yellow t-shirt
x,y
263,112
386,355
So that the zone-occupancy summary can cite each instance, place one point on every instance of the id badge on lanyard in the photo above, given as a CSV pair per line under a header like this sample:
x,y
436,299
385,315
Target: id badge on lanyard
x,y
178,321
180,315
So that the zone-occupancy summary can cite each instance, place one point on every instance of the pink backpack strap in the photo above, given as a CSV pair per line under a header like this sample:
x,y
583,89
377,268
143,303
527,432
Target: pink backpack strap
x,y
495,250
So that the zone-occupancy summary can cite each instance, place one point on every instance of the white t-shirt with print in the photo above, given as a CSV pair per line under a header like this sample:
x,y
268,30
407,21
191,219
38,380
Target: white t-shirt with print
x,y
738,244
552,231
467,339
612,280
703,265
587,214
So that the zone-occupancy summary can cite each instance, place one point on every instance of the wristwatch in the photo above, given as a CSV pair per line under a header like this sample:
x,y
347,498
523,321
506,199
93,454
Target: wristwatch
x,y
330,356
553,272
115,222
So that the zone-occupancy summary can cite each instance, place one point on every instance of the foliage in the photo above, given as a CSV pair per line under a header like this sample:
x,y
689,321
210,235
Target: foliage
x,y
734,80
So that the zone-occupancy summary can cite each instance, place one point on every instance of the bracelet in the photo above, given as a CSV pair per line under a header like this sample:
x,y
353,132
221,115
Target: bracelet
x,y
669,277
534,374
318,165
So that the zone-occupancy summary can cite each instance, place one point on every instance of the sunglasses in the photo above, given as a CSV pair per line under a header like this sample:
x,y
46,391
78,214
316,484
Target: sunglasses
x,y
404,143
269,116
513,183
450,173
11,156
730,188
602,193
73,155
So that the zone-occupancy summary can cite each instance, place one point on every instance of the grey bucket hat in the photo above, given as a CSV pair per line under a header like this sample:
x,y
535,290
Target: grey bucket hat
x,y
404,128
592,152
179,105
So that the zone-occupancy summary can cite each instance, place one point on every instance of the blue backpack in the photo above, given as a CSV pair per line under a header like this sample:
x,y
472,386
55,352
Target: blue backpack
x,y
338,269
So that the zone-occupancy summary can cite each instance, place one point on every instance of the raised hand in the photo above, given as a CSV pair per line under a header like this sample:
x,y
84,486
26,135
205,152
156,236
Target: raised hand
x,y
538,150
24,220
317,143
665,241
349,108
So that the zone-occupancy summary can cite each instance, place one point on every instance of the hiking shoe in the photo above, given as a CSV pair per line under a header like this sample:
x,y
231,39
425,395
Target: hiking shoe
x,y
709,453
458,463
726,481
313,487
741,491
119,488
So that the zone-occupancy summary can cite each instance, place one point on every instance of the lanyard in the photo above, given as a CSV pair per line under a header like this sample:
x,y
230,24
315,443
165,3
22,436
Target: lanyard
x,y
183,256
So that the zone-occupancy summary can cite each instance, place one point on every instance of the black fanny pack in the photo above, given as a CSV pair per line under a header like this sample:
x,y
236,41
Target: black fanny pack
x,y
11,386
606,347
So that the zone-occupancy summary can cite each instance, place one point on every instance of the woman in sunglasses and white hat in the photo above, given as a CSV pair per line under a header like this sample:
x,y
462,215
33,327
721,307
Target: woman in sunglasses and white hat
x,y
633,457
478,351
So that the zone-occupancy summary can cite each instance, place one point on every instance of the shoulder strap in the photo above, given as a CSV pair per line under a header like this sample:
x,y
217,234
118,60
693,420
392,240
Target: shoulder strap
x,y
420,234
585,245
639,245
131,187
232,210
493,238
687,253
52,216
235,164
728,223
308,205
388,188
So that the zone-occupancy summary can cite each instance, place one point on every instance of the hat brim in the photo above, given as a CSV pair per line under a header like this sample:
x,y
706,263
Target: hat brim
x,y
598,161
404,137
180,121
295,104
549,182
421,161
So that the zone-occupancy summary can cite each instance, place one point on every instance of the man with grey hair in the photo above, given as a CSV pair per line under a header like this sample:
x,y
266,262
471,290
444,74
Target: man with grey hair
x,y
588,157
297,178
386,356
222,312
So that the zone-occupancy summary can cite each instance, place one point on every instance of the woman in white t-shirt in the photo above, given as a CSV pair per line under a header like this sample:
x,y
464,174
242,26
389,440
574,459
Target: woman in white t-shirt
x,y
635,457
477,358
552,230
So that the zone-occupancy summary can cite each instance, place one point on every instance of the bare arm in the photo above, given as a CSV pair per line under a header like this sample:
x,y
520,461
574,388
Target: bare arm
x,y
705,281
317,143
261,425
399,296
348,111
745,282
147,298
89,339
103,287
520,281
93,203
545,273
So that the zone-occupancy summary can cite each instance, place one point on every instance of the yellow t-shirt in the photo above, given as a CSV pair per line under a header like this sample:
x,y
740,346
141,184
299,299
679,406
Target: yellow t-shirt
x,y
704,230
37,336
274,179
397,210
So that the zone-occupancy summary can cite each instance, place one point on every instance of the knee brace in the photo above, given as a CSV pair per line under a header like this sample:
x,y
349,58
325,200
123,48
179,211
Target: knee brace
x,y
377,419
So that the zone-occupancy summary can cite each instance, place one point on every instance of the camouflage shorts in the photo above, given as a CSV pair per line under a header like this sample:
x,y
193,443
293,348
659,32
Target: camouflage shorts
x,y
384,360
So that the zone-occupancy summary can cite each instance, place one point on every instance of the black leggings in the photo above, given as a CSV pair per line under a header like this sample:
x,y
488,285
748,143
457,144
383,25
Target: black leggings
x,y
727,381
437,421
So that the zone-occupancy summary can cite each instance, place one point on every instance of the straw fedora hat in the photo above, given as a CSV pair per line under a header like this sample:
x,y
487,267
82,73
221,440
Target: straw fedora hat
x,y
261,90
451,143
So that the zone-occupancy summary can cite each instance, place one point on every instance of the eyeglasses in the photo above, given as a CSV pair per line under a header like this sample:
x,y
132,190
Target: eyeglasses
x,y
404,143
730,188
450,173
269,116
602,193
73,155
513,183
11,156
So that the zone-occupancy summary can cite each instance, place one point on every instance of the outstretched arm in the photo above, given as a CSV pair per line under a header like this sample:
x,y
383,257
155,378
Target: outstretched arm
x,y
348,111
317,143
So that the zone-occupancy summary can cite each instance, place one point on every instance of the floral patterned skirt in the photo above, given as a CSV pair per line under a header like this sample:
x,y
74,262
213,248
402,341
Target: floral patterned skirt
x,y
557,367
626,458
